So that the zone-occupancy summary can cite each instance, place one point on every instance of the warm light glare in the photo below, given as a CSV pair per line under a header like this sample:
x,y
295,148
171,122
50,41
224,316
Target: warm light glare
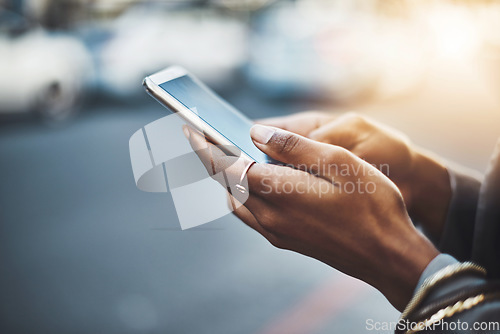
x,y
455,34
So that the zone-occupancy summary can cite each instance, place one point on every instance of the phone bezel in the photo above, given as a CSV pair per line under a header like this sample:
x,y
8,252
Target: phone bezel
x,y
152,85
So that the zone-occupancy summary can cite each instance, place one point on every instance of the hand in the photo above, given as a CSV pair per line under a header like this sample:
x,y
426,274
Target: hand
x,y
337,209
302,123
422,179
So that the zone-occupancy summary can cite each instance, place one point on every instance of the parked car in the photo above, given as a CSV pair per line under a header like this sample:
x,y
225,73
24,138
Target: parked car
x,y
40,72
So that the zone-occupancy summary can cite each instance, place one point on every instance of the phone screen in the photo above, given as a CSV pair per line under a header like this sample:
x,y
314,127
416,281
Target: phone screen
x,y
217,113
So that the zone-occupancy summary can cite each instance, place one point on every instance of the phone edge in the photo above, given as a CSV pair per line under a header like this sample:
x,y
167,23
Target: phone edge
x,y
172,104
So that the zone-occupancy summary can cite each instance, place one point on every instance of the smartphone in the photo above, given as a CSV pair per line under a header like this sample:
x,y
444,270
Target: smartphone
x,y
202,108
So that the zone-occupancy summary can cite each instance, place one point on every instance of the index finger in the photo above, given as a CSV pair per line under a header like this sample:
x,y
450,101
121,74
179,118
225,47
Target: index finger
x,y
301,123
226,169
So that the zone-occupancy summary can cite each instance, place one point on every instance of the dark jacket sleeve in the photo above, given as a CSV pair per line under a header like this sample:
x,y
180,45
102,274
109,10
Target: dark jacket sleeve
x,y
471,232
458,231
486,248
483,317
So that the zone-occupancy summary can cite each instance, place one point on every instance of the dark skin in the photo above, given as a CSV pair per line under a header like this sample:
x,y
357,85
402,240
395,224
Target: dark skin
x,y
420,176
364,233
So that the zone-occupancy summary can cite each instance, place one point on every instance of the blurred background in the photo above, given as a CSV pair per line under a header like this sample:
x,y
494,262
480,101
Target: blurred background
x,y
83,251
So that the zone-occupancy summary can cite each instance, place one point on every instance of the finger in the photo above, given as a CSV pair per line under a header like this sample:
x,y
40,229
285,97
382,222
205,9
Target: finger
x,y
263,182
345,131
244,214
284,188
302,123
212,157
298,151
228,170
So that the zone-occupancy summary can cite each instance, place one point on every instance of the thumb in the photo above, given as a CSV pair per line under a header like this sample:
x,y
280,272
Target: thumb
x,y
294,149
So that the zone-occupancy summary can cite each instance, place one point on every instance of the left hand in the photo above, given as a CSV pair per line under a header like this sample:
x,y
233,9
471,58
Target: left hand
x,y
331,206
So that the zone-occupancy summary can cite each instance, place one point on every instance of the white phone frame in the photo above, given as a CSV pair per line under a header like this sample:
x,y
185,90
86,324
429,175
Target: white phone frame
x,y
152,85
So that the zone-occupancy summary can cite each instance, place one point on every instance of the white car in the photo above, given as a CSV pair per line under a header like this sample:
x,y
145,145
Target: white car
x,y
42,72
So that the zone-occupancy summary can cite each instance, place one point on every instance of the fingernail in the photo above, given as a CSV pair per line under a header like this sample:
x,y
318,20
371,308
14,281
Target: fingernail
x,y
186,131
261,133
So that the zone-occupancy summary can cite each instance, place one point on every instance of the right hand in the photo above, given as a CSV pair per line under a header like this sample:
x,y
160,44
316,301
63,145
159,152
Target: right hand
x,y
355,222
421,178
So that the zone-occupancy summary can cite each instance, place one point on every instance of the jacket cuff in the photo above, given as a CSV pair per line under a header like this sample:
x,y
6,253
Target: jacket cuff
x,y
441,261
458,231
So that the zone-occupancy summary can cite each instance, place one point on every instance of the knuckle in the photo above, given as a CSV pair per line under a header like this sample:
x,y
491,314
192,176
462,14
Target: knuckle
x,y
275,241
355,119
338,154
267,220
290,143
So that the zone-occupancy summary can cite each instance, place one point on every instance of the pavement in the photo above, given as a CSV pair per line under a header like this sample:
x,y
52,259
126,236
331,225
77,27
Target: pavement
x,y
82,250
